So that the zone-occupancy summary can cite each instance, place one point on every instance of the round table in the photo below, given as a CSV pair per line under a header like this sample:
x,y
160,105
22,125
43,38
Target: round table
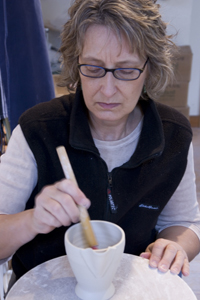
x,y
54,280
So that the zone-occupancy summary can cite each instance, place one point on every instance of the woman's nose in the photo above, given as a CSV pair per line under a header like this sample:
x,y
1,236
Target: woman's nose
x,y
108,85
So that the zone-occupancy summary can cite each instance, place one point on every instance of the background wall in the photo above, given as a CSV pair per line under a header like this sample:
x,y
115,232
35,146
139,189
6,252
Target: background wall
x,y
178,14
183,16
194,90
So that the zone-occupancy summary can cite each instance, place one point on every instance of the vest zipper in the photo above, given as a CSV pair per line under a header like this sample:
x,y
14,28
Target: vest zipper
x,y
113,207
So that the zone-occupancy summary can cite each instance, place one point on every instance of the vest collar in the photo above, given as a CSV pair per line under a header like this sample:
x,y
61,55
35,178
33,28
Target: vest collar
x,y
151,142
80,134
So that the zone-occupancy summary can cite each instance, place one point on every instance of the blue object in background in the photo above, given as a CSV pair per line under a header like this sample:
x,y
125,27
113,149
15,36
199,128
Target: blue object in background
x,y
25,73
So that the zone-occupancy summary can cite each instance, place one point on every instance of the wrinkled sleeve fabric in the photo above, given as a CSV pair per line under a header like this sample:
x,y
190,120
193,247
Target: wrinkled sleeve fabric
x,y
18,174
183,208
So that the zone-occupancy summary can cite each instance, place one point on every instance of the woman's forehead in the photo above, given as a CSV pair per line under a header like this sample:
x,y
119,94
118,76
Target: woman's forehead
x,y
101,42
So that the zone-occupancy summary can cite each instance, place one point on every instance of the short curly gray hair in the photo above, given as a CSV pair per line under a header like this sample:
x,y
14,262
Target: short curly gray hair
x,y
139,21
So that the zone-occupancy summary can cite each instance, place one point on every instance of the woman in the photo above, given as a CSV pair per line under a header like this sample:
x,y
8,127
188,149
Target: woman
x,y
132,157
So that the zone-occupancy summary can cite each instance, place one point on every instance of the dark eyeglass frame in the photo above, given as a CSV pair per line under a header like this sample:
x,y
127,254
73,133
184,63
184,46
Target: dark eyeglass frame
x,y
113,71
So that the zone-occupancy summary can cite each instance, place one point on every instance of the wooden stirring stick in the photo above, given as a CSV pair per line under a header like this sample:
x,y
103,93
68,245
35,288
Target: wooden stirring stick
x,y
84,216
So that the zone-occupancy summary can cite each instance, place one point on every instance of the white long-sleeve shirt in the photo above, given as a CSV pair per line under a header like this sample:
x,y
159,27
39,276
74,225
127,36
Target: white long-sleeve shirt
x,y
18,177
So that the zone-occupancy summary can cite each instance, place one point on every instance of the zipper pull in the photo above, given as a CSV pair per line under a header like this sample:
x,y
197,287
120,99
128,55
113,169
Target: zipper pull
x,y
113,207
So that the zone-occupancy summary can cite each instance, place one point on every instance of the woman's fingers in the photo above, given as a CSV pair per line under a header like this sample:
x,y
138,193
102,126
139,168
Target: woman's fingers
x,y
70,188
59,204
56,205
186,267
146,255
43,221
180,264
165,254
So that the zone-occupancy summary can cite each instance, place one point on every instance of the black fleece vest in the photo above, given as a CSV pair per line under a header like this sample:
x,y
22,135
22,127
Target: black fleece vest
x,y
140,188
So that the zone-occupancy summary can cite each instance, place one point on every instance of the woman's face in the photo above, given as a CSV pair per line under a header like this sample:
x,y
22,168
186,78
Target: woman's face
x,y
108,99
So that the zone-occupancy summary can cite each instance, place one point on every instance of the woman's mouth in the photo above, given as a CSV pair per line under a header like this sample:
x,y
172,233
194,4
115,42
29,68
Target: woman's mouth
x,y
108,105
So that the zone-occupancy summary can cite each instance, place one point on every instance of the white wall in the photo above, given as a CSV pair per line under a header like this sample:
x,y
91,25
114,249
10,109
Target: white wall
x,y
194,90
55,13
178,14
183,16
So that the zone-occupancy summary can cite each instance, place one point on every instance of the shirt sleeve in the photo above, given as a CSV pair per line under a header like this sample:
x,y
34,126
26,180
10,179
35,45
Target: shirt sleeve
x,y
18,174
183,208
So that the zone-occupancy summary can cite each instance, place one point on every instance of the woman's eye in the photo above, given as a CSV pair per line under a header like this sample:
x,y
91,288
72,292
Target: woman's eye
x,y
126,71
93,69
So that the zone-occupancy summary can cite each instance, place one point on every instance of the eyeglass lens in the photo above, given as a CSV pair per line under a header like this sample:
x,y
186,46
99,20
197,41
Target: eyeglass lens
x,y
98,72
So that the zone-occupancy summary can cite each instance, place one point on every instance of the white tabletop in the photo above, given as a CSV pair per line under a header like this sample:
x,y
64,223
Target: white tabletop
x,y
54,280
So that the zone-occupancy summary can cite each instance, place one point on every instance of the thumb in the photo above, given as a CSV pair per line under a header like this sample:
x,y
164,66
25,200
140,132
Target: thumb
x,y
146,255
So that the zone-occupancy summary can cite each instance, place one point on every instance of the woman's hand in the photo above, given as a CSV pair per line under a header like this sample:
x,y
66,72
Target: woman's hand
x,y
165,254
56,206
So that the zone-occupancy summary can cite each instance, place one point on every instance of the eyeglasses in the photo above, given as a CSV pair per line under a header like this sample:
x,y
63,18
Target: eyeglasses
x,y
119,73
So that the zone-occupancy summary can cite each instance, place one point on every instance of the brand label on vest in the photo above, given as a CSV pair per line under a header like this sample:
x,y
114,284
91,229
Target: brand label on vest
x,y
149,206
113,207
